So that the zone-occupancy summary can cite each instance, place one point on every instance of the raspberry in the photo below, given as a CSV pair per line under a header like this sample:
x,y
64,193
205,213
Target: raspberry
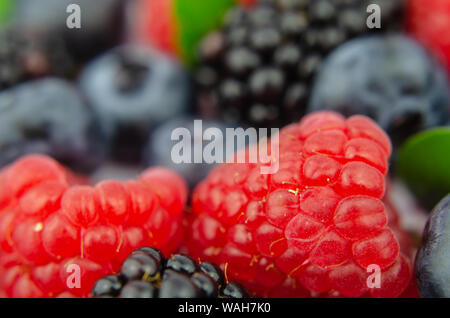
x,y
428,21
49,223
147,274
314,226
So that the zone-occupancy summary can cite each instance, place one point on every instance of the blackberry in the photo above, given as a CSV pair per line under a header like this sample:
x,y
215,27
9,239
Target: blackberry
x,y
30,53
147,274
258,67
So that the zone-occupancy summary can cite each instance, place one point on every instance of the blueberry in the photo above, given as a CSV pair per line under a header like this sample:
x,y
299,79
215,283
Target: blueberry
x,y
133,88
433,258
48,116
389,78
102,23
160,145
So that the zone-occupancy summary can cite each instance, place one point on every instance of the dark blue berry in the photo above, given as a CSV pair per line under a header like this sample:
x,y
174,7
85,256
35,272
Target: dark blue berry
x,y
182,263
132,89
144,274
140,266
389,78
433,258
138,289
107,286
213,271
178,285
48,116
153,252
206,284
234,290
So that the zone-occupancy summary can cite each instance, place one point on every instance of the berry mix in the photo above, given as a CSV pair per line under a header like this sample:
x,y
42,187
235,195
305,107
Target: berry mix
x,y
354,94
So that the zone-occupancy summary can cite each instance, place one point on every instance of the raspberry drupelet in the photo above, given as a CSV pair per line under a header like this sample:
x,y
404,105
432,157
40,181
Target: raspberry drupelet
x,y
313,228
52,229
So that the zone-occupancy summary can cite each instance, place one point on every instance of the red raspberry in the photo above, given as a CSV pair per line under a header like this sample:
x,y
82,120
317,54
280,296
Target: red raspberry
x,y
247,3
429,22
159,29
313,227
48,224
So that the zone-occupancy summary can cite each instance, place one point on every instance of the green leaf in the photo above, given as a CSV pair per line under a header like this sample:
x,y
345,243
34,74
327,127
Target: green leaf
x,y
5,10
424,164
195,18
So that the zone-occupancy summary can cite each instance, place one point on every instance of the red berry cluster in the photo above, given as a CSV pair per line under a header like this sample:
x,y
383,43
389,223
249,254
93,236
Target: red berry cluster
x,y
313,228
50,222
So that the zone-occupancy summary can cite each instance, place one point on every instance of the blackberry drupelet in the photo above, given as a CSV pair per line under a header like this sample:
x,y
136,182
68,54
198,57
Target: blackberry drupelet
x,y
27,54
258,68
147,274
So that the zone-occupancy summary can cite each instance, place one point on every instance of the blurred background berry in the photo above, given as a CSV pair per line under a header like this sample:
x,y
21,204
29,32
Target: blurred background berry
x,y
49,116
259,66
102,23
104,99
391,79
132,89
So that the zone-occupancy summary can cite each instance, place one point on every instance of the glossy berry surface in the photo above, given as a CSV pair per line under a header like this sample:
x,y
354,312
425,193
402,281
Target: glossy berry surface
x,y
314,226
147,274
49,116
389,78
433,261
57,237
259,66
133,88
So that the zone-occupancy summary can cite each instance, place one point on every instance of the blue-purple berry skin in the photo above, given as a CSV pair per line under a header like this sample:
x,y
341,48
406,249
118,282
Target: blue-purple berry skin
x,y
49,116
390,78
432,266
133,89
